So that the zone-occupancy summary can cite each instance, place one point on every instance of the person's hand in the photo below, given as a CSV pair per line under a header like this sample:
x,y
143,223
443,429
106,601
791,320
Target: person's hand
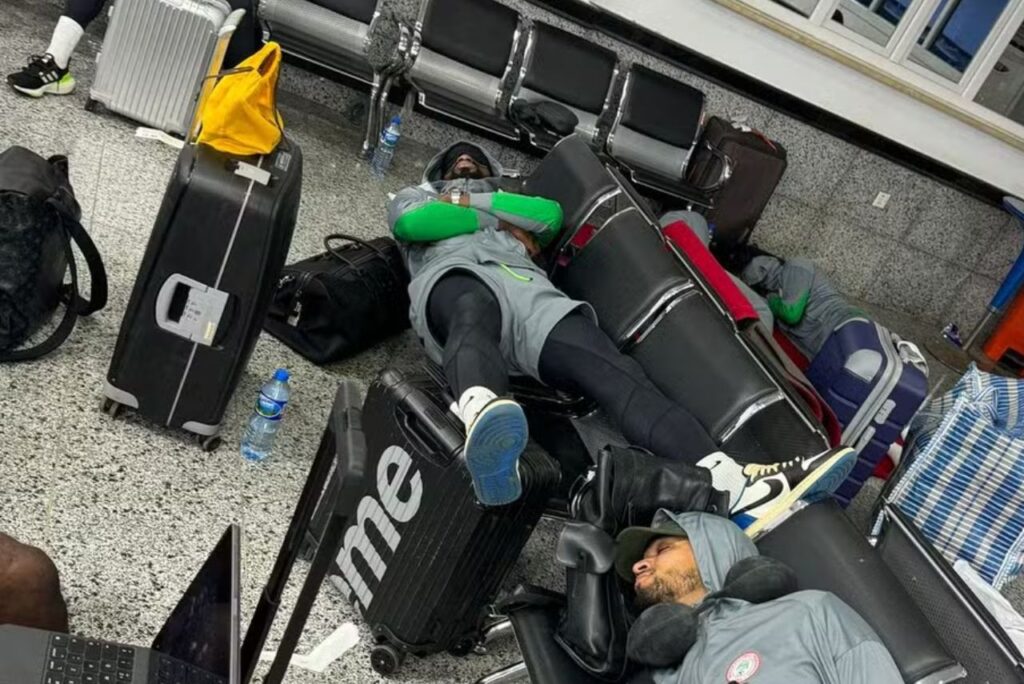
x,y
447,199
524,237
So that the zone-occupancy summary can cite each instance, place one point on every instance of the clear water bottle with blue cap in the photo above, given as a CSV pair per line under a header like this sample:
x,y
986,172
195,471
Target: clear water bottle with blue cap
x,y
266,417
384,153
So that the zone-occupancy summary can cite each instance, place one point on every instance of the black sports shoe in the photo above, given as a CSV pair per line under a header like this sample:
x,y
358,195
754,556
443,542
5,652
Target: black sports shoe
x,y
41,76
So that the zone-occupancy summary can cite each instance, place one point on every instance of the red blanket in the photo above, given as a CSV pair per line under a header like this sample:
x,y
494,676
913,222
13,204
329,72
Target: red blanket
x,y
740,308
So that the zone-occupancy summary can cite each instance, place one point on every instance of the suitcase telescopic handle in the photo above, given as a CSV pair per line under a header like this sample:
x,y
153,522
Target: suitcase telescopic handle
x,y
427,426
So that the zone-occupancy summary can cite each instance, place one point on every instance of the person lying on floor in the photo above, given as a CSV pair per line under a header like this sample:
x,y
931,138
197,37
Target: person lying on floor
x,y
806,305
703,623
29,588
483,309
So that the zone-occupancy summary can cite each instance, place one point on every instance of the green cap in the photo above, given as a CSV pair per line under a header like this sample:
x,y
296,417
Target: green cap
x,y
633,541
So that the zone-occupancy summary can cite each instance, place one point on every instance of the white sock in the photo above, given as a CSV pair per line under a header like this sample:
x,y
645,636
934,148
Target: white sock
x,y
472,402
65,39
726,475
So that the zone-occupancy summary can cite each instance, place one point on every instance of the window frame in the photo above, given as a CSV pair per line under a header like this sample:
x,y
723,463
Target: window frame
x,y
894,58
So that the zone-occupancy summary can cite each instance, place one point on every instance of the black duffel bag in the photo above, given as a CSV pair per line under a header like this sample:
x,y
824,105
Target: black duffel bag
x,y
39,220
343,301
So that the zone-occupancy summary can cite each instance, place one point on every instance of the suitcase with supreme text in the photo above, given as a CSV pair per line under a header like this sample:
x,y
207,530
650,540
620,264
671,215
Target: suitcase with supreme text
x,y
157,56
423,560
203,288
870,380
756,165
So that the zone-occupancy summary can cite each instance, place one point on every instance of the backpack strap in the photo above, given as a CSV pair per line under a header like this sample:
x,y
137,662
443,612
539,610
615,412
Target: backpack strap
x,y
76,305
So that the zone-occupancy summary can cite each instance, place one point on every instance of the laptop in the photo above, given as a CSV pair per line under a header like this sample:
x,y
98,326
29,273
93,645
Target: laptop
x,y
198,644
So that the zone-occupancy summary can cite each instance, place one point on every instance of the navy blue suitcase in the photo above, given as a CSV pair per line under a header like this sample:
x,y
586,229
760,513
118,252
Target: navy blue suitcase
x,y
874,392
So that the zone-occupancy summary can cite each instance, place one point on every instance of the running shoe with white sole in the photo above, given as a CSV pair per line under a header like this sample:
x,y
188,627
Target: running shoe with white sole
x,y
42,76
495,440
759,492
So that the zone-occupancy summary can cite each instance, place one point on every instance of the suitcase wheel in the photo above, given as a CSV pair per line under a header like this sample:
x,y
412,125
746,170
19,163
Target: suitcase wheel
x,y
462,648
386,659
210,443
91,105
110,407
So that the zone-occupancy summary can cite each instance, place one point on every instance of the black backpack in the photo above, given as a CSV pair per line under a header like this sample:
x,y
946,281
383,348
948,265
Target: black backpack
x,y
39,219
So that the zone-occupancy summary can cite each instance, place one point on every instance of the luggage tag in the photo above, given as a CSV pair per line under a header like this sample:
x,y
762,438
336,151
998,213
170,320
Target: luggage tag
x,y
160,136
252,172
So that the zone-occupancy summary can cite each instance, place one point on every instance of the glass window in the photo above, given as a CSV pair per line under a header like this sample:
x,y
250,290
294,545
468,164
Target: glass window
x,y
1003,90
876,20
803,7
954,34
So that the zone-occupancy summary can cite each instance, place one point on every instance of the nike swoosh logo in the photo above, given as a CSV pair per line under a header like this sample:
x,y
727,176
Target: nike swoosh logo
x,y
775,488
811,463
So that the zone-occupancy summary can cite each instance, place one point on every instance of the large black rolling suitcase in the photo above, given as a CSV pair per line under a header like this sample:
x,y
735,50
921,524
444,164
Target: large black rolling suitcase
x,y
423,559
204,285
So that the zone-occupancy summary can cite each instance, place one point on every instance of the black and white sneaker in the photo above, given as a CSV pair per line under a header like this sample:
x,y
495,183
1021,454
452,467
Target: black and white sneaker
x,y
759,493
41,76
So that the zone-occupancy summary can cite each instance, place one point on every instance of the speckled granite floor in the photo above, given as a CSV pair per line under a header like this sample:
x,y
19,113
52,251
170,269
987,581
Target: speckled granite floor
x,y
128,512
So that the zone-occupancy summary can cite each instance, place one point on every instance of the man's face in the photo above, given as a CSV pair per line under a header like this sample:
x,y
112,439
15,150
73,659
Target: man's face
x,y
667,574
467,167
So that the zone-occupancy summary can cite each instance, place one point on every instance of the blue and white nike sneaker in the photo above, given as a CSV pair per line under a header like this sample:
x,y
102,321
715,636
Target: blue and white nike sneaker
x,y
495,439
761,492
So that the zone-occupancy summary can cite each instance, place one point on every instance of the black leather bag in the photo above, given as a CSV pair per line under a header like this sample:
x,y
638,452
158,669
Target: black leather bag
x,y
39,220
343,301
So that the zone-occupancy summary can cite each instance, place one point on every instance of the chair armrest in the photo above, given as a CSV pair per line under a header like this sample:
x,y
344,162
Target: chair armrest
x,y
840,560
534,614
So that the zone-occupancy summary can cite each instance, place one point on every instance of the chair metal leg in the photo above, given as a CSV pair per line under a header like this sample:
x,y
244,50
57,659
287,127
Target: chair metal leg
x,y
499,630
512,673
372,131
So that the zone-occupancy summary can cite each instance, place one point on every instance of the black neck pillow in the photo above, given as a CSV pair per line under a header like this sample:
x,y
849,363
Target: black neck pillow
x,y
665,632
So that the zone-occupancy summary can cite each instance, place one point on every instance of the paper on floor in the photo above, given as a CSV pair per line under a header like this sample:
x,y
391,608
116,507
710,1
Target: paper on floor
x,y
329,650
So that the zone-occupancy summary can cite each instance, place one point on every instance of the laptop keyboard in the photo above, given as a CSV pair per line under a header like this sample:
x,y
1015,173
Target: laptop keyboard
x,y
74,660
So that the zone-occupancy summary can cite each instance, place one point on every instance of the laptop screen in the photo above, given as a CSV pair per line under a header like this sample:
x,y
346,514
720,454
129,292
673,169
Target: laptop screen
x,y
202,630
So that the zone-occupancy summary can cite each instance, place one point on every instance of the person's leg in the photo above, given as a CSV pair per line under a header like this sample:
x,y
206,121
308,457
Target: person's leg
x,y
30,588
579,357
465,318
48,73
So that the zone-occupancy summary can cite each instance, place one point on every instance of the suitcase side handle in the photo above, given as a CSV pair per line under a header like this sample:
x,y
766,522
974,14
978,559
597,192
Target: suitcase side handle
x,y
424,424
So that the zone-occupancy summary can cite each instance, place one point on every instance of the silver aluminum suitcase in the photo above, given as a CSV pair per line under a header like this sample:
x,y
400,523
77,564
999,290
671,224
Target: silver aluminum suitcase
x,y
155,56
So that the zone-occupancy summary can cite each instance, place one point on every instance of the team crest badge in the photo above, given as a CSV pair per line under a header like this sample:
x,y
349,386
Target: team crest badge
x,y
743,668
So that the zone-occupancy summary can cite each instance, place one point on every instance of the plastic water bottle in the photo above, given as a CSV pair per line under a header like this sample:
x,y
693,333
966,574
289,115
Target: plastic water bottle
x,y
266,417
385,150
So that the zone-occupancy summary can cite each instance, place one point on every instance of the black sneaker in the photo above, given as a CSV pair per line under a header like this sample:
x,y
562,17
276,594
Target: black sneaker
x,y
760,493
42,76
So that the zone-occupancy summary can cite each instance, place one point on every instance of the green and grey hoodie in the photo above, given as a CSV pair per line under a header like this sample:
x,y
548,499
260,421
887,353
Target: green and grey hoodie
x,y
808,637
436,238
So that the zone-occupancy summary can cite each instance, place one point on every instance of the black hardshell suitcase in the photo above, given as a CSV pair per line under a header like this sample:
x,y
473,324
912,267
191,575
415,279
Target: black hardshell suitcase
x,y
423,559
204,285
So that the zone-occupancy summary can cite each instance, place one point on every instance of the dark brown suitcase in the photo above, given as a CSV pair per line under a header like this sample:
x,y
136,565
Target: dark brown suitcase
x,y
757,165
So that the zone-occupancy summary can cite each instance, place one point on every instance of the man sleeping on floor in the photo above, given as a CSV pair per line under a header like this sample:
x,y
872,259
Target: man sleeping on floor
x,y
483,309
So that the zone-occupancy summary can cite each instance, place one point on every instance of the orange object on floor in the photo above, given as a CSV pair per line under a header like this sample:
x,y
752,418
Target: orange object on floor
x,y
1006,345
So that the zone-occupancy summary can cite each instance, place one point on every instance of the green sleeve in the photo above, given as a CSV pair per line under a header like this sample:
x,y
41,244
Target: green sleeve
x,y
789,313
435,221
537,215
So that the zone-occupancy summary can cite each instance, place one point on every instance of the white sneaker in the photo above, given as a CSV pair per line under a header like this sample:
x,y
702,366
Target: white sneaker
x,y
496,435
760,492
